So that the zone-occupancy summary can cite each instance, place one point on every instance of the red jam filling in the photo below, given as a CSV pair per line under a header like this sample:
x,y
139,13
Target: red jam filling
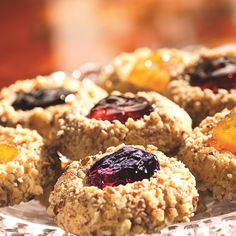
x,y
215,74
120,108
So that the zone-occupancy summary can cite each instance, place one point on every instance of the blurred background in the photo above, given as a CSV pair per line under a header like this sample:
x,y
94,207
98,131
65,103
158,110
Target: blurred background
x,y
41,36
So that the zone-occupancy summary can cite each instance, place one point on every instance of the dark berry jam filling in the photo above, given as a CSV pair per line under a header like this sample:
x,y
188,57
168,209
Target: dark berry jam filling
x,y
214,74
121,108
40,98
124,166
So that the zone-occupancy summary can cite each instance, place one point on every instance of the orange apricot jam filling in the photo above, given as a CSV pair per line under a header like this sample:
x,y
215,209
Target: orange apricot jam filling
x,y
8,152
224,135
153,72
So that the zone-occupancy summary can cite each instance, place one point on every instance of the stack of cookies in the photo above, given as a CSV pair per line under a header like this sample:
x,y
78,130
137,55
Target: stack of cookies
x,y
158,127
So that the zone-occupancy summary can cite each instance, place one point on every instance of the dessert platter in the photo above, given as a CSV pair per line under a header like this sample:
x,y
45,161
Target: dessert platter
x,y
142,146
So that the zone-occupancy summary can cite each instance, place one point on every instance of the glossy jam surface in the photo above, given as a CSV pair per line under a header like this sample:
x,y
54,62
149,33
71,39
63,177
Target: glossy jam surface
x,y
122,167
40,98
8,153
224,135
120,108
153,72
219,73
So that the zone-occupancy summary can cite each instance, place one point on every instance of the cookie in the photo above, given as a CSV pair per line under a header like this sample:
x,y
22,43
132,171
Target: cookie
x,y
206,86
143,118
209,153
25,166
144,69
127,190
34,103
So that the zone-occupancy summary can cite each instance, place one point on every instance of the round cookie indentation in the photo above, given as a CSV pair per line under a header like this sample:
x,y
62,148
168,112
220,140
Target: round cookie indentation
x,y
223,135
214,74
8,152
152,72
121,108
127,165
40,98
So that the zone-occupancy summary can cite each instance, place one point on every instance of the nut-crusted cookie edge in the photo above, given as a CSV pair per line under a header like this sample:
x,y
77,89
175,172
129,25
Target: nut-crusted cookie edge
x,y
213,169
144,206
165,127
25,177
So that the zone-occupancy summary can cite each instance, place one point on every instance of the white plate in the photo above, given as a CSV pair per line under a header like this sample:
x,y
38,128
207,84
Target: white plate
x,y
30,219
